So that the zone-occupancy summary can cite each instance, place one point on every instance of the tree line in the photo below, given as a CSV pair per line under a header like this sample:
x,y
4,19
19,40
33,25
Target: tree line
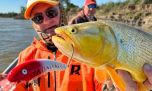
x,y
19,15
68,5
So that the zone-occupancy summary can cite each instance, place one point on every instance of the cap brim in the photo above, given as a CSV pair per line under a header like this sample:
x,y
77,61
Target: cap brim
x,y
27,13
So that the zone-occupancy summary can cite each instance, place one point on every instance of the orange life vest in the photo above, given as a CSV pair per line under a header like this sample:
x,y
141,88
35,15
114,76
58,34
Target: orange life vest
x,y
77,77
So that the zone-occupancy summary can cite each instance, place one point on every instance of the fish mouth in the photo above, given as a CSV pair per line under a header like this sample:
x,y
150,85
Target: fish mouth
x,y
63,36
60,36
62,41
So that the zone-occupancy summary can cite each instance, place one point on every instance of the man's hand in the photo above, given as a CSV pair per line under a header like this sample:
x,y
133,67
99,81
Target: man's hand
x,y
148,72
2,76
130,84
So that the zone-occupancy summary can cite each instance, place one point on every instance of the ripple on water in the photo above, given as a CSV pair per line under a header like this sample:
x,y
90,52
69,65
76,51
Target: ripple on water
x,y
15,35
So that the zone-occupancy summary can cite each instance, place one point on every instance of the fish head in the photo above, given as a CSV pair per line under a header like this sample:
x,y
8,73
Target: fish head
x,y
86,39
24,71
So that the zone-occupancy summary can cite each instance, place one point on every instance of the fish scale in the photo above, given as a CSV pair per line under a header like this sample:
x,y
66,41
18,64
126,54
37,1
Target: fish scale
x,y
137,46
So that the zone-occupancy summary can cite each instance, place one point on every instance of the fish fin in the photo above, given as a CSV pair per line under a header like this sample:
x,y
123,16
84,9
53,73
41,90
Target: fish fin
x,y
142,87
116,79
101,75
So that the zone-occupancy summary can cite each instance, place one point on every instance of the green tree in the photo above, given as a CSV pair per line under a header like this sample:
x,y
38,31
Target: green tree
x,y
22,11
147,1
134,1
21,14
68,5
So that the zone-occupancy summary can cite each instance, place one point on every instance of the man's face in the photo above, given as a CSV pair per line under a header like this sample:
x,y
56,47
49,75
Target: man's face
x,y
89,11
45,19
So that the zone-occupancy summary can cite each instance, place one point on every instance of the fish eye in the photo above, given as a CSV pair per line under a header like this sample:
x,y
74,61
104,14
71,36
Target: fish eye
x,y
73,30
24,71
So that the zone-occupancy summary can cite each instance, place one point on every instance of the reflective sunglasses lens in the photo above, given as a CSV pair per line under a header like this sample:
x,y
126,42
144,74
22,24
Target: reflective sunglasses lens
x,y
92,6
38,19
51,13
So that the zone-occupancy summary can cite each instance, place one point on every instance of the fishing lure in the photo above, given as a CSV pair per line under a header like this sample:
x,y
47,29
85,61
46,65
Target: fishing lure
x,y
28,71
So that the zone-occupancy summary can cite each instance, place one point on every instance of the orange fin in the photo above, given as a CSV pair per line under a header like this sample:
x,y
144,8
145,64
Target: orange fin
x,y
116,79
142,87
101,75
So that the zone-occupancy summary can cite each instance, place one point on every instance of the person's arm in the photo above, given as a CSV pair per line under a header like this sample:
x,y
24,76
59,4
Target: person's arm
x,y
72,21
77,19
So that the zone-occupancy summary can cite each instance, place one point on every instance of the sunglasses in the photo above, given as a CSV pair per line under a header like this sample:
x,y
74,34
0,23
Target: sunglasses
x,y
92,6
50,13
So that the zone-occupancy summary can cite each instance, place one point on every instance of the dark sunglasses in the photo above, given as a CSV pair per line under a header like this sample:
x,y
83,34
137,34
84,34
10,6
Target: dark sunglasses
x,y
50,12
92,6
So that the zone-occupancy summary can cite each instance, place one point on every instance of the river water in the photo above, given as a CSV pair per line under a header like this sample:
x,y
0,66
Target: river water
x,y
15,35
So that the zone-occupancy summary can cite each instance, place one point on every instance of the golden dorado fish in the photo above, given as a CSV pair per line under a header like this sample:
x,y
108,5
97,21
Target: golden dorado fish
x,y
107,45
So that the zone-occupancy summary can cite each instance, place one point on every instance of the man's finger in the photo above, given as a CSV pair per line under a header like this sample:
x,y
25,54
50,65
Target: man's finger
x,y
148,84
2,76
148,72
130,84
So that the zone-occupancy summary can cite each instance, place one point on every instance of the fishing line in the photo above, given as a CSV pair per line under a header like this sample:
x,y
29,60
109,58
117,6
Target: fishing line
x,y
54,53
69,60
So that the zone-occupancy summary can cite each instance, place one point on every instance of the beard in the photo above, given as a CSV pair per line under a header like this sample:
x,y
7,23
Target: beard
x,y
47,38
49,44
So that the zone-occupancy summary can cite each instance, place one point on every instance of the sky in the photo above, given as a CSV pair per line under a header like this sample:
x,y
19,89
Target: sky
x,y
14,5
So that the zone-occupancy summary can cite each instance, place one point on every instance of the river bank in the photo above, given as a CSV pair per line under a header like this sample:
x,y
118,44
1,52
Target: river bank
x,y
137,15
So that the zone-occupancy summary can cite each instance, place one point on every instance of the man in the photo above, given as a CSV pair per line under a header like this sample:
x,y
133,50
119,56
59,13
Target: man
x,y
46,16
86,14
